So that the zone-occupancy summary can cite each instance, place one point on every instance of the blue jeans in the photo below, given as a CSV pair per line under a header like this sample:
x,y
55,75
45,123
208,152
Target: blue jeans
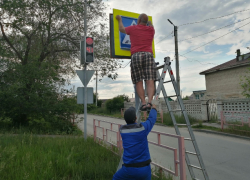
x,y
133,173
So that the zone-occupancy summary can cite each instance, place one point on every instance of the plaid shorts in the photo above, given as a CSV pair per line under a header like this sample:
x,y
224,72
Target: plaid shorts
x,y
142,67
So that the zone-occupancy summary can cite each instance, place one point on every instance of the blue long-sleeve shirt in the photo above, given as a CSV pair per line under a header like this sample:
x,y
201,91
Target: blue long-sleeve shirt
x,y
135,142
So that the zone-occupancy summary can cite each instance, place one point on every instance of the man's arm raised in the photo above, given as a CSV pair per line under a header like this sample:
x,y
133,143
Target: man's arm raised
x,y
150,24
121,27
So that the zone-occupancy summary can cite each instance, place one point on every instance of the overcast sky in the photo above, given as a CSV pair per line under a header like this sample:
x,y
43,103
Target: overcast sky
x,y
191,63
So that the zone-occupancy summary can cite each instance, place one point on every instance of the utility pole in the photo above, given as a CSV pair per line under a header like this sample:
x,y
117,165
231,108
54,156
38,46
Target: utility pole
x,y
96,89
85,72
176,56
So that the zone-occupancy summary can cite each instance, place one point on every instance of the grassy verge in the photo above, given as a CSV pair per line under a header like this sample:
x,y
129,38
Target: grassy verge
x,y
231,130
104,112
167,120
69,130
39,126
33,157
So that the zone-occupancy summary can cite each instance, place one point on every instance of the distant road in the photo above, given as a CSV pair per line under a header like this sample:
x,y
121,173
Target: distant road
x,y
225,158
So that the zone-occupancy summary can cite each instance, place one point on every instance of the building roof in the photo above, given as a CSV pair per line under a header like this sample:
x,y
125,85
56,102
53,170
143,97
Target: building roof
x,y
229,64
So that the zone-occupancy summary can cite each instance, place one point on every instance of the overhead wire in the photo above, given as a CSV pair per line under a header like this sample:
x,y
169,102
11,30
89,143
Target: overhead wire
x,y
214,18
164,38
202,34
213,30
192,60
216,39
126,64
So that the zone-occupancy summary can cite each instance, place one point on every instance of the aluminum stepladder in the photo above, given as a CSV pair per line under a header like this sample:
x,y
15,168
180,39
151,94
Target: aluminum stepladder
x,y
166,67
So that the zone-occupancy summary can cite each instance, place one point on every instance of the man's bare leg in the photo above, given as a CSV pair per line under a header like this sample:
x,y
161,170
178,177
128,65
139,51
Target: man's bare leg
x,y
140,92
150,90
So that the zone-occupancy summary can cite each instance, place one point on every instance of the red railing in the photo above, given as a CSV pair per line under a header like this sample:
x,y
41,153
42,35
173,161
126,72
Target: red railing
x,y
177,161
105,134
144,115
236,115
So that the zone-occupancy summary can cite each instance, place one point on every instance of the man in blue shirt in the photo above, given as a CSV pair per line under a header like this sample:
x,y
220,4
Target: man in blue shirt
x,y
136,155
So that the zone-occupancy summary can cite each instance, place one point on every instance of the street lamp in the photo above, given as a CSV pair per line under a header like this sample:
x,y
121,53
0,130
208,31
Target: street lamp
x,y
176,56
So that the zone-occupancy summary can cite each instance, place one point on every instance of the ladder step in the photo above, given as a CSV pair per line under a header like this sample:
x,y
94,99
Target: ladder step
x,y
189,152
197,167
160,67
167,81
188,139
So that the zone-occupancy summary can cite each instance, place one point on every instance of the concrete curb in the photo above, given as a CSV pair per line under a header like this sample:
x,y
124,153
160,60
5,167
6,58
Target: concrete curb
x,y
221,133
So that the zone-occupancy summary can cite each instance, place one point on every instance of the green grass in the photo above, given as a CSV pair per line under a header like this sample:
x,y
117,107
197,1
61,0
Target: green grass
x,y
70,158
230,129
104,112
39,127
32,157
167,120
70,130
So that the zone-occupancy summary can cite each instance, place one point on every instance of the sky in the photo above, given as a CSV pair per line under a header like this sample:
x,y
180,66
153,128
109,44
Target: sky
x,y
196,54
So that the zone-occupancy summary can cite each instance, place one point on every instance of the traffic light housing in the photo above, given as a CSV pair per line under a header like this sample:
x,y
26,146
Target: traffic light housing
x,y
87,54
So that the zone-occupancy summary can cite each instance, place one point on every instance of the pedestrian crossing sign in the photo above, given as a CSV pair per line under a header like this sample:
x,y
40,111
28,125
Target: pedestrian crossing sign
x,y
119,42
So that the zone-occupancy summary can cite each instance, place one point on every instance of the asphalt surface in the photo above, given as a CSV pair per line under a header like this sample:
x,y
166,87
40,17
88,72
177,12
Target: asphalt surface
x,y
225,157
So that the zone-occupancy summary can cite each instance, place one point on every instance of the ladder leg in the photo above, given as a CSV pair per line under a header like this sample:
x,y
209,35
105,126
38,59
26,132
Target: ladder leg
x,y
197,151
176,129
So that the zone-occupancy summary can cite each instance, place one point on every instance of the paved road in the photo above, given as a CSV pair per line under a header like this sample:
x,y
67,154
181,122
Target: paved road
x,y
225,158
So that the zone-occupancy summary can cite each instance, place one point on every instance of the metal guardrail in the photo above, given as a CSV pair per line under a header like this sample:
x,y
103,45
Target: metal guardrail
x,y
181,171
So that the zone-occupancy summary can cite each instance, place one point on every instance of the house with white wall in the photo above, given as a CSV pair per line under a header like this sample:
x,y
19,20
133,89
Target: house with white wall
x,y
224,81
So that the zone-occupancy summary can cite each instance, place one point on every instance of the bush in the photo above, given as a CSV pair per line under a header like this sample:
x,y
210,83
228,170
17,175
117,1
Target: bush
x,y
116,103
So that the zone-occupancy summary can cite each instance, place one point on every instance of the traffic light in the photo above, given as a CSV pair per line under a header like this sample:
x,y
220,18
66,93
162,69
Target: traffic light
x,y
87,54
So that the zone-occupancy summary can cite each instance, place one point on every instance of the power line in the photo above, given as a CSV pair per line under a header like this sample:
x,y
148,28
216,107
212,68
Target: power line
x,y
192,60
213,30
164,38
126,64
214,18
164,50
216,39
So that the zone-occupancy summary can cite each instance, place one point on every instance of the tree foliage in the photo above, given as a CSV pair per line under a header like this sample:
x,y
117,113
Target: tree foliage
x,y
116,103
50,30
39,51
245,84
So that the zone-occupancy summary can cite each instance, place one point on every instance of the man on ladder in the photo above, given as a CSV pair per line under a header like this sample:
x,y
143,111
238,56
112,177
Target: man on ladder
x,y
142,59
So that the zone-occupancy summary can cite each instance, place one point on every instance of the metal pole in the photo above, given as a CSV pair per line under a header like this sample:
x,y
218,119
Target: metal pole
x,y
177,58
85,72
96,89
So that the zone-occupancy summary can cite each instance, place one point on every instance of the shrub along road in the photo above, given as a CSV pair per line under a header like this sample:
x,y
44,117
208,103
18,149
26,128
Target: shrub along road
x,y
225,158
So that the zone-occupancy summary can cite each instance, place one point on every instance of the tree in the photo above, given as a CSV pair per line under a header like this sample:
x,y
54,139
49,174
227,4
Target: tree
x,y
245,83
50,30
185,98
116,103
99,102
39,50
